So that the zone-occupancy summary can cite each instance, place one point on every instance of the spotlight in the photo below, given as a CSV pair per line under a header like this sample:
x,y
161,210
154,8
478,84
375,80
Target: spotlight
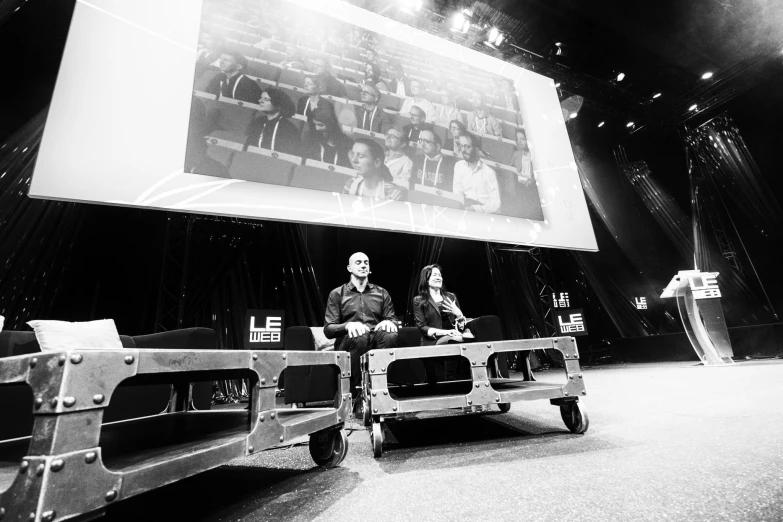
x,y
493,34
572,115
458,21
600,124
656,95
558,44
557,85
629,124
620,76
692,107
706,76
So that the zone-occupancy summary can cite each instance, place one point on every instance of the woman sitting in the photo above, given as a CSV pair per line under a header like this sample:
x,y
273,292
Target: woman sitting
x,y
374,179
456,129
372,76
272,129
436,311
314,87
327,143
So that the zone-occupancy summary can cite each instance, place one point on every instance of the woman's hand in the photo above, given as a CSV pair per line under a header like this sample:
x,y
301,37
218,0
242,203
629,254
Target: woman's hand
x,y
450,306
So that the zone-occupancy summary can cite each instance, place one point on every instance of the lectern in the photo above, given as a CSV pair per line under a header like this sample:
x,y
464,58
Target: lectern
x,y
698,300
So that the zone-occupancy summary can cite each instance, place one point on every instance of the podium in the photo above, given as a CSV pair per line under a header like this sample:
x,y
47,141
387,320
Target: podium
x,y
698,301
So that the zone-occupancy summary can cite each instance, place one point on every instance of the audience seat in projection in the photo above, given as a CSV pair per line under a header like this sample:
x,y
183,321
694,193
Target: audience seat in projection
x,y
353,91
264,70
294,92
504,114
270,55
221,145
347,75
346,114
498,150
391,101
509,130
443,132
317,175
429,196
293,77
232,115
377,137
203,78
263,166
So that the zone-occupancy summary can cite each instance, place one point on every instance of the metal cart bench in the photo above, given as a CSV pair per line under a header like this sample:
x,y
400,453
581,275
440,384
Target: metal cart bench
x,y
384,402
73,464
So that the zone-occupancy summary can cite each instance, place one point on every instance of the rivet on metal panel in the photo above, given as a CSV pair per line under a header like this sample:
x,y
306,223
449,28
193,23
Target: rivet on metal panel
x,y
31,516
385,392
39,470
281,438
57,465
565,393
339,419
33,362
272,415
394,408
48,516
570,376
391,353
338,355
261,418
470,402
375,410
255,356
464,347
2,513
128,360
343,374
274,379
263,381
372,354
98,398
250,449
76,358
477,385
383,369
556,340
372,370
374,393
38,402
497,399
489,345
61,360
69,401
53,402
486,384
584,392
567,356
23,466
90,457
579,375
110,495
284,356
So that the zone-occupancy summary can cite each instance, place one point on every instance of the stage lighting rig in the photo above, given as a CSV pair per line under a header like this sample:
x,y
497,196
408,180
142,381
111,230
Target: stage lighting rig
x,y
601,124
656,95
707,75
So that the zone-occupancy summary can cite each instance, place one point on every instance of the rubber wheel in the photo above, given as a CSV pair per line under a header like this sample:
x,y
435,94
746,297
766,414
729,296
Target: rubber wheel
x,y
328,448
366,416
575,416
376,439
504,407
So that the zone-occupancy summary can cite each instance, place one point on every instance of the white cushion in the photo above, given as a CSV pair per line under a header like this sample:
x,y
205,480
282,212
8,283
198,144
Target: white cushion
x,y
321,342
58,336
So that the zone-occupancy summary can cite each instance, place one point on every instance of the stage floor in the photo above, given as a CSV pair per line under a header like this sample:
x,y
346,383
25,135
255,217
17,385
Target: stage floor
x,y
667,441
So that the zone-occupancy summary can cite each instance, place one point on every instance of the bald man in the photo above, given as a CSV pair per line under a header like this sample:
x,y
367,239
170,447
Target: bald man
x,y
360,316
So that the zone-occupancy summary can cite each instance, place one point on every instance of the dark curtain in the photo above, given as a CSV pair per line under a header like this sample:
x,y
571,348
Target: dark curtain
x,y
36,236
427,252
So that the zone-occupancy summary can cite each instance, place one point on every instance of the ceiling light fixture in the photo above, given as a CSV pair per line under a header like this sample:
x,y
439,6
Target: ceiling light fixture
x,y
706,76
620,76
693,107
656,95
629,124
601,124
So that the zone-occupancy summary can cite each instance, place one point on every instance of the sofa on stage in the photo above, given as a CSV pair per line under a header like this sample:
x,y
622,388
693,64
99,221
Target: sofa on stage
x,y
128,402
313,384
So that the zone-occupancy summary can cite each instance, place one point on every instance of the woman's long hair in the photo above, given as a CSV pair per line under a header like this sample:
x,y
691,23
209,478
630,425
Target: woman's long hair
x,y
424,283
377,152
333,131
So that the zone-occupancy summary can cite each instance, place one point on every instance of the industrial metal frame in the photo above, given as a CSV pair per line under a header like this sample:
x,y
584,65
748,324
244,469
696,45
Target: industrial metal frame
x,y
379,405
73,464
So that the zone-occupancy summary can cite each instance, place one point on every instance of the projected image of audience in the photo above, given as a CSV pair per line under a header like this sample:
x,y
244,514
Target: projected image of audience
x,y
283,96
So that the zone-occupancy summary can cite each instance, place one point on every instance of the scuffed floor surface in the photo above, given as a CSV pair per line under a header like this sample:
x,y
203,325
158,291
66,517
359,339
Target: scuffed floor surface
x,y
667,441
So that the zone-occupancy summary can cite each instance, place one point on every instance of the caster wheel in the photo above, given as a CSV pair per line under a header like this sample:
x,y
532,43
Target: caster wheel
x,y
504,407
366,417
575,416
376,439
328,448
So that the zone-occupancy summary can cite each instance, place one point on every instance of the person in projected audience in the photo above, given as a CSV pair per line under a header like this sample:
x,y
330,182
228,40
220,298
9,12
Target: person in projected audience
x,y
480,121
372,76
437,312
333,86
272,129
433,169
272,37
327,143
294,59
412,130
232,82
456,129
397,161
369,115
400,84
374,179
476,181
418,93
522,160
209,50
314,87
447,110
360,315
508,96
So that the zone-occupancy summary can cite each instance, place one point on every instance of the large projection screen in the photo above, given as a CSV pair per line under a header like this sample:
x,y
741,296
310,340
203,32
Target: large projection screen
x,y
183,105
